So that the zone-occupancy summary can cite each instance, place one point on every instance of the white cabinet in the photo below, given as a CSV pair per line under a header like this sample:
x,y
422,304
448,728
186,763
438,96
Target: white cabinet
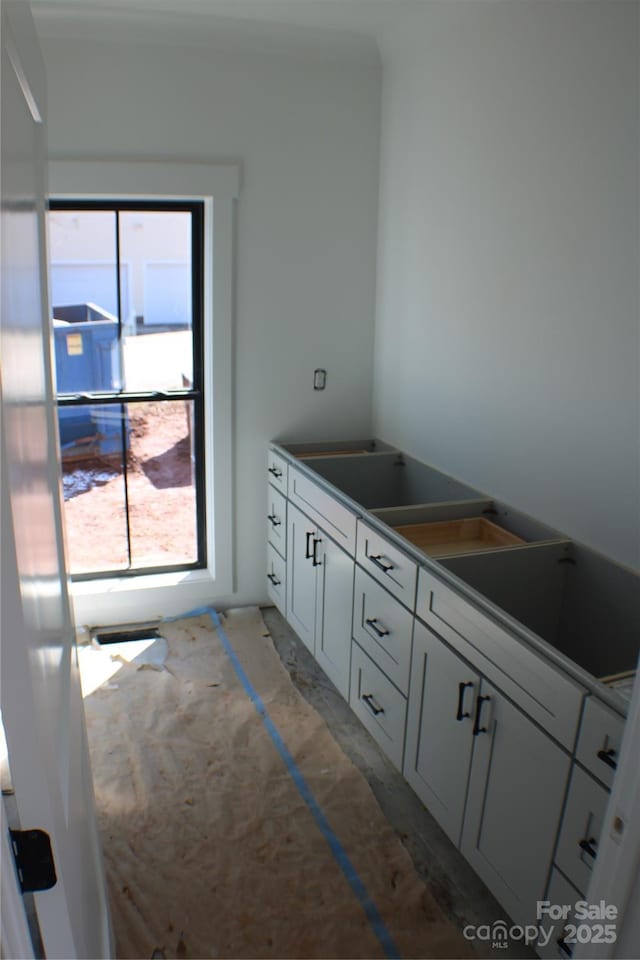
x,y
333,618
277,471
276,579
393,568
277,534
319,595
379,705
317,503
517,785
383,628
546,694
581,828
493,780
277,520
561,893
487,734
439,729
302,552
599,742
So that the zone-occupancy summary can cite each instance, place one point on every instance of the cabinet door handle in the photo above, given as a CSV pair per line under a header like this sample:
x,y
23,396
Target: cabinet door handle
x,y
589,846
307,549
371,703
461,714
275,472
476,723
373,623
274,579
607,757
315,562
274,520
380,562
566,949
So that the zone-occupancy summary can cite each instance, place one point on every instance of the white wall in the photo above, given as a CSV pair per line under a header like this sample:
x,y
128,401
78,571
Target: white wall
x,y
306,132
508,306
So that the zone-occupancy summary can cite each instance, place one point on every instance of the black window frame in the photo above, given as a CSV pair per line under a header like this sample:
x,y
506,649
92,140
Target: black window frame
x,y
195,393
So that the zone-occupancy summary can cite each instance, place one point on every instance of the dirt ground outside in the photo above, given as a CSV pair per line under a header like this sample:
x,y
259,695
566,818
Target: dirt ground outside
x,y
161,492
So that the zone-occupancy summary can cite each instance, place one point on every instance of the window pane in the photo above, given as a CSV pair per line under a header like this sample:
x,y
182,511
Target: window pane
x,y
93,484
162,493
158,347
84,296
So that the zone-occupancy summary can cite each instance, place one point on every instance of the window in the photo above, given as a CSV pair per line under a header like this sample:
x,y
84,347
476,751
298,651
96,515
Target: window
x,y
126,298
121,598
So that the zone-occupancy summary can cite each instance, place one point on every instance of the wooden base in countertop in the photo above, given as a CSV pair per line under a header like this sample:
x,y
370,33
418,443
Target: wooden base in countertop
x,y
447,537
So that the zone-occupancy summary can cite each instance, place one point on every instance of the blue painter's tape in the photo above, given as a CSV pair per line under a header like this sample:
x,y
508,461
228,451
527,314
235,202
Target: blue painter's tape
x,y
342,858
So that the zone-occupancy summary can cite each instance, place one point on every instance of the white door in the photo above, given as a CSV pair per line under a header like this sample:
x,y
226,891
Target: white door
x,y
334,612
439,729
516,791
40,698
301,576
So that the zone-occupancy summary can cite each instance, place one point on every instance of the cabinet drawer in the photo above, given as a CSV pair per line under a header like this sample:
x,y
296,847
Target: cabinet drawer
x,y
561,893
383,628
276,579
324,509
377,703
599,741
277,471
581,828
277,520
541,690
387,564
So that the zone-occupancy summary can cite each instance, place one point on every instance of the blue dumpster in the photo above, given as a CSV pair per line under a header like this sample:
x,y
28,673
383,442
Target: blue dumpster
x,y
87,355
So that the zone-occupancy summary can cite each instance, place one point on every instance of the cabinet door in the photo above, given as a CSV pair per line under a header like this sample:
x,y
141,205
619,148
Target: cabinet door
x,y
516,789
581,828
301,576
560,893
439,724
277,520
277,471
383,627
378,704
601,733
333,619
276,579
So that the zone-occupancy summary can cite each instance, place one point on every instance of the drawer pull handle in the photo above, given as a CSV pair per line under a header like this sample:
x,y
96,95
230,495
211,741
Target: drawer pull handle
x,y
274,579
307,549
380,562
607,757
276,472
476,723
274,520
564,947
373,623
315,562
589,846
462,713
373,706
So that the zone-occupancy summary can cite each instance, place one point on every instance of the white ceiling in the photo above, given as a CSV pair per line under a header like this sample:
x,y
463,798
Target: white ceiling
x,y
349,27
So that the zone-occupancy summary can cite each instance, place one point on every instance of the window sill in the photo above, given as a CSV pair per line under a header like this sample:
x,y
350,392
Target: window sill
x,y
152,581
134,599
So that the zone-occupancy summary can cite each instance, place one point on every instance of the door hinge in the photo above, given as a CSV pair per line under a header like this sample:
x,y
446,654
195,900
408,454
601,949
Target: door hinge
x,y
34,860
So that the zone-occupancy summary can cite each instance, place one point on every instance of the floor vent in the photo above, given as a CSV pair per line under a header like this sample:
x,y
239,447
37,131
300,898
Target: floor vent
x,y
104,635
